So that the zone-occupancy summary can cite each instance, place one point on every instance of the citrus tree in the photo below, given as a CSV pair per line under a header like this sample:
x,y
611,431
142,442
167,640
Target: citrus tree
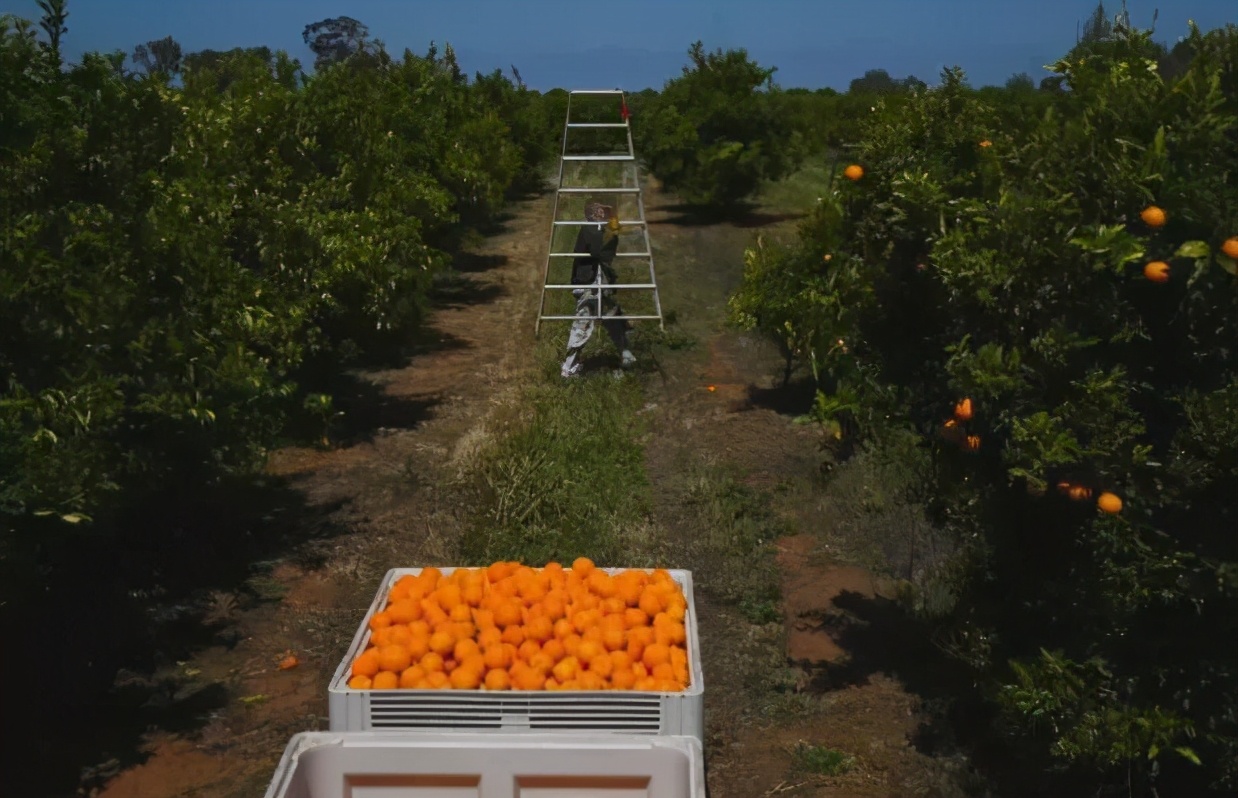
x,y
1051,306
714,134
180,263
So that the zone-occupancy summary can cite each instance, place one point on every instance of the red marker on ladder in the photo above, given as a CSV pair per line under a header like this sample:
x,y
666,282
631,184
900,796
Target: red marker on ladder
x,y
623,107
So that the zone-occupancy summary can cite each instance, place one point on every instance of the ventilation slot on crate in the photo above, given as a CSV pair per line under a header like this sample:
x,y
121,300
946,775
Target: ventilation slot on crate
x,y
627,713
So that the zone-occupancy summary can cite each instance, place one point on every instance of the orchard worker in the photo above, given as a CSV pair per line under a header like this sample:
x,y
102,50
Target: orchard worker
x,y
597,244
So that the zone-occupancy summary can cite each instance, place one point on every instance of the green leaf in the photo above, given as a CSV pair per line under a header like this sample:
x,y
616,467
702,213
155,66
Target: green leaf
x,y
1188,754
1227,263
1193,249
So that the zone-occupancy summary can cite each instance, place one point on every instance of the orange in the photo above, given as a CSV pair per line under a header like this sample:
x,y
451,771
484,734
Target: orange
x,y
527,678
498,571
602,665
650,603
288,663
554,605
563,629
442,643
663,672
1230,247
403,612
528,649
432,663
360,683
411,677
397,635
508,614
620,660
489,637
677,607
386,680
589,649
622,679
1109,503
602,584
542,661
614,605
463,678
465,648
381,637
437,680
498,656
589,680
1157,271
539,629
379,620
582,566
634,617
853,172
497,679
461,613
473,594
1153,216
366,664
513,635
614,639
1080,492
585,619
566,669
554,649
972,443
571,644
656,654
962,410
393,658
448,596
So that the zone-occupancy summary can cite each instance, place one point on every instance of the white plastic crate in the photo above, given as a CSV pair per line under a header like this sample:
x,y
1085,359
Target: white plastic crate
x,y
422,765
521,711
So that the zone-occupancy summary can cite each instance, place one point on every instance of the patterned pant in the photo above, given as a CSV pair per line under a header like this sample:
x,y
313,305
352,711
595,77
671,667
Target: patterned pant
x,y
583,326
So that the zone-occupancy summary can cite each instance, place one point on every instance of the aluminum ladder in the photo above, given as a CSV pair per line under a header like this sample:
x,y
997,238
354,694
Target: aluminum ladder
x,y
646,253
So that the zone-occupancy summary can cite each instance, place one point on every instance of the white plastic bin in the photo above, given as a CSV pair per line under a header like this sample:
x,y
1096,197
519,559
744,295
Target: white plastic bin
x,y
446,765
624,711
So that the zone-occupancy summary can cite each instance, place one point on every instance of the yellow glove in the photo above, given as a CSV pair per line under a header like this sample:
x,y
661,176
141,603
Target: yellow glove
x,y
613,224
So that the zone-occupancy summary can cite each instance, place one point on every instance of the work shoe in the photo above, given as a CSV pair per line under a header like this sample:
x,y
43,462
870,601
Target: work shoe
x,y
629,359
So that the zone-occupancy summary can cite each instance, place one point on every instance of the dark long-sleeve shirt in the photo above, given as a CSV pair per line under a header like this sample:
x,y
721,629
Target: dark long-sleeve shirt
x,y
599,252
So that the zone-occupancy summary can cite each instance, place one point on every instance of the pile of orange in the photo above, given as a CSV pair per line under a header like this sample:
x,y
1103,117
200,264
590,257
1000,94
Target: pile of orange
x,y
513,627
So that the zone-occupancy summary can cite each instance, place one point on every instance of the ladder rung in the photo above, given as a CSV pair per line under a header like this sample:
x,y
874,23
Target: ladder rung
x,y
597,124
582,254
582,190
596,91
595,318
574,223
599,157
645,286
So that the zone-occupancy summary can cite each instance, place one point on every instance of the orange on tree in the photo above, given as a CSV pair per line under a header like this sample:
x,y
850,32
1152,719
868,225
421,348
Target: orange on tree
x,y
1109,503
853,172
1153,216
1230,247
962,410
1157,271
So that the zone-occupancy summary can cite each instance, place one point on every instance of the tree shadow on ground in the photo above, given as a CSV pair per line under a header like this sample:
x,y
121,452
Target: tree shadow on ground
x,y
745,215
475,263
107,616
881,636
794,398
459,291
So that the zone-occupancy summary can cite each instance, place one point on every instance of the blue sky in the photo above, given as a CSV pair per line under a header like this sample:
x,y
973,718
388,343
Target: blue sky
x,y
639,43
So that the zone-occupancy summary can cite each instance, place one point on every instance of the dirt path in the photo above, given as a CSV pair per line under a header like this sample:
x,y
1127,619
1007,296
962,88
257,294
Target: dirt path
x,y
385,481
